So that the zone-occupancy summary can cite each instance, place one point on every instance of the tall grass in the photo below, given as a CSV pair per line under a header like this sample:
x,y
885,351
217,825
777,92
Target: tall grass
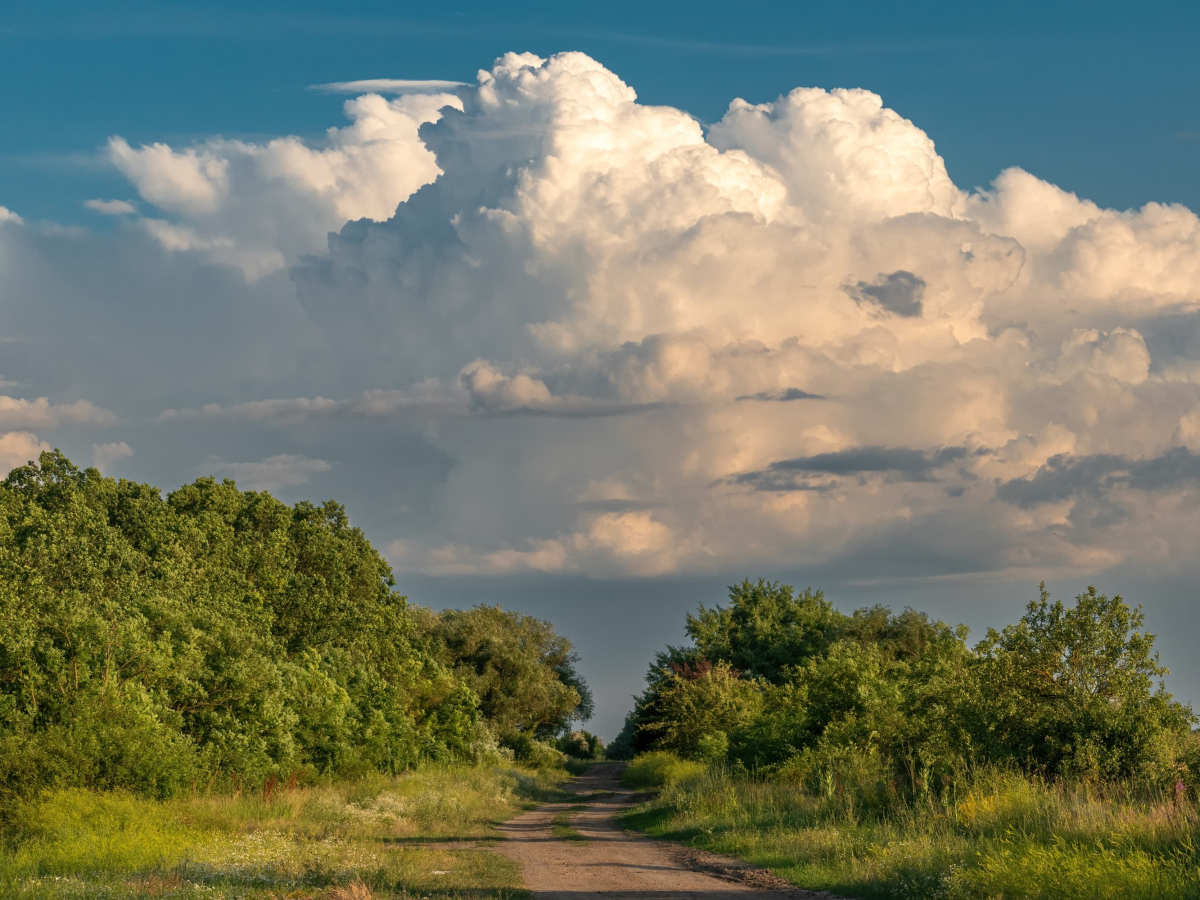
x,y
390,837
999,836
659,768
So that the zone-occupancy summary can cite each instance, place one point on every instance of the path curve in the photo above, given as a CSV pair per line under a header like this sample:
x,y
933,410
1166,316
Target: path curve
x,y
611,864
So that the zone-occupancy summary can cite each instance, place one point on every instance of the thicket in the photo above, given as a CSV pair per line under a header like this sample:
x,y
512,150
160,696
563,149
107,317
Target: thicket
x,y
221,637
780,683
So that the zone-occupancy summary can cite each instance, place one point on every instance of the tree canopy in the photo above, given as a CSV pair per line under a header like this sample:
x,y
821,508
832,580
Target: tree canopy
x,y
154,643
783,680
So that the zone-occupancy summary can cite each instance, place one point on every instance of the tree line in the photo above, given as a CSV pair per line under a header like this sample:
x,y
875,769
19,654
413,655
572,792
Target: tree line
x,y
221,637
780,682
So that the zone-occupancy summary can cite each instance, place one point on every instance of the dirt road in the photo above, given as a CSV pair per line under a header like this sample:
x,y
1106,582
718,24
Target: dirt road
x,y
603,862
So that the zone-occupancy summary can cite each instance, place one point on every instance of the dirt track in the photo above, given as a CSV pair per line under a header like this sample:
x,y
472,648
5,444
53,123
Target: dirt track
x,y
609,864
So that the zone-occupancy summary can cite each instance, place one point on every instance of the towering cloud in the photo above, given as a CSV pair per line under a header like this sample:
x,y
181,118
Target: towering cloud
x,y
258,206
623,343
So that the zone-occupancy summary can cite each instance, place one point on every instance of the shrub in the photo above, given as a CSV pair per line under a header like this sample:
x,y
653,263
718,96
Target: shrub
x,y
658,769
581,745
528,750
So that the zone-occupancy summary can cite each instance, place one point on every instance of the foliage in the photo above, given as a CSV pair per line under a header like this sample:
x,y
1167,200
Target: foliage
x,y
997,833
582,745
389,834
1072,690
522,671
693,704
222,637
658,769
766,628
779,681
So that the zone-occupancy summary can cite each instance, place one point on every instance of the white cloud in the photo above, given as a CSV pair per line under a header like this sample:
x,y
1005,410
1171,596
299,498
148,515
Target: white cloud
x,y
104,456
607,340
258,206
41,413
609,255
270,474
7,215
111,207
388,86
18,448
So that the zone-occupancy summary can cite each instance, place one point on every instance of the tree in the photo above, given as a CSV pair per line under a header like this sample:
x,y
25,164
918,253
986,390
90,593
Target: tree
x,y
151,643
696,705
1072,690
522,670
766,628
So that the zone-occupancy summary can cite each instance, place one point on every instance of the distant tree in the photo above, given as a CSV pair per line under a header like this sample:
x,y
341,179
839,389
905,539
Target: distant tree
x,y
697,707
522,670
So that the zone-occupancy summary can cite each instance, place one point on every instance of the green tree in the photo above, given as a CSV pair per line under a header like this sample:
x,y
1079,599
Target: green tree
x,y
766,628
522,670
1077,690
151,643
698,707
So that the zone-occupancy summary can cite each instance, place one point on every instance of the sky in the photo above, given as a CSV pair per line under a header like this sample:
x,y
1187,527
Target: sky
x,y
593,312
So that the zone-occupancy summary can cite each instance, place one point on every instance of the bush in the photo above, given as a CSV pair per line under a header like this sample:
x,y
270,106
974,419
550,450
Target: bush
x,y
898,702
529,751
659,769
582,745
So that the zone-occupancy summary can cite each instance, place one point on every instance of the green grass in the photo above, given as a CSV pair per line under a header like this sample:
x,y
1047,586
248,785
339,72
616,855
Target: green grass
x,y
420,835
561,825
654,770
1004,836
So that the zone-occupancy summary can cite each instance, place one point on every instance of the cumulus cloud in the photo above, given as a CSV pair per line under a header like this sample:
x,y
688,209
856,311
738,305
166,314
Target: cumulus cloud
x,y
111,207
18,448
585,330
104,456
259,206
41,413
270,474
584,251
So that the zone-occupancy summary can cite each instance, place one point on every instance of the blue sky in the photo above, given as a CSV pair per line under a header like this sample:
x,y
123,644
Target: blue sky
x,y
1097,97
566,379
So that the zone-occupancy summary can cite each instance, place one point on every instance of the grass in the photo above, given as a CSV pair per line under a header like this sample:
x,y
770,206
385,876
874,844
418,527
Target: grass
x,y
654,770
1004,836
420,835
560,826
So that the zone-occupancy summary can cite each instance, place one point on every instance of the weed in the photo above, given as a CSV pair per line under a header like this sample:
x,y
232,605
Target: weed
x,y
371,839
998,835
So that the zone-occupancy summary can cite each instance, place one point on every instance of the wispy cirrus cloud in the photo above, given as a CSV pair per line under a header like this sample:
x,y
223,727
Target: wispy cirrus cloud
x,y
388,86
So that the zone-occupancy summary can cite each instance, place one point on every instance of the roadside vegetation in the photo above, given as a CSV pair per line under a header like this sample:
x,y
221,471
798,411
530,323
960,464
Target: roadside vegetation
x,y
218,639
423,834
879,755
215,694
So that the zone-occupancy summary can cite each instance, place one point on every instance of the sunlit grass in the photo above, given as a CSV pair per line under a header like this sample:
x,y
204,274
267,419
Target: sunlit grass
x,y
424,834
653,770
1003,836
561,827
